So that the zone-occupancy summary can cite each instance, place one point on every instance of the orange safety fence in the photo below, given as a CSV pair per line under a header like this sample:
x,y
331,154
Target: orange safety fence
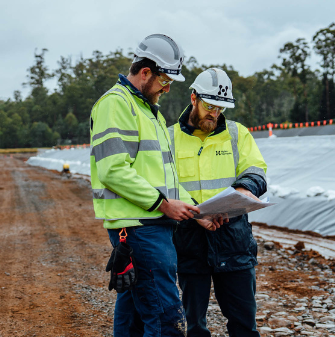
x,y
68,147
271,126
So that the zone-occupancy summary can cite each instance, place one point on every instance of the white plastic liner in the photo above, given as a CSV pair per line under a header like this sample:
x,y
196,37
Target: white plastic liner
x,y
301,179
297,167
78,159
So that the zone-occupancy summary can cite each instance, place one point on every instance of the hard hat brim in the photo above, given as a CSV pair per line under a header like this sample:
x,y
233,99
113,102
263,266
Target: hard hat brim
x,y
222,104
178,78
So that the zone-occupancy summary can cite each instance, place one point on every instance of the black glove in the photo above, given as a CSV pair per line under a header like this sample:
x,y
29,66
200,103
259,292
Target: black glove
x,y
123,269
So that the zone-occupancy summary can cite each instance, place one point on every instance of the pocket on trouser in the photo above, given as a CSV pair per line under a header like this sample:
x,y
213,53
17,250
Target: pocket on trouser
x,y
173,322
146,297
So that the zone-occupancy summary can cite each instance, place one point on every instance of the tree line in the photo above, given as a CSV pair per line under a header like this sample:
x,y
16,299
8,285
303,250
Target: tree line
x,y
287,92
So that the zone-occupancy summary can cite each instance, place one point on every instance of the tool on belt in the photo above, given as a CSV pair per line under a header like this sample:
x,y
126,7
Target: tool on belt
x,y
122,266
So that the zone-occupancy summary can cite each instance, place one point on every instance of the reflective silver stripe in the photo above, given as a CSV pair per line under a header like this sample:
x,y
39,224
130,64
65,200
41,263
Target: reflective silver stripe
x,y
113,146
254,170
171,132
153,217
208,184
167,157
163,189
168,40
173,192
149,145
142,46
115,90
215,81
122,92
110,91
121,132
191,185
116,145
160,149
172,151
104,193
233,131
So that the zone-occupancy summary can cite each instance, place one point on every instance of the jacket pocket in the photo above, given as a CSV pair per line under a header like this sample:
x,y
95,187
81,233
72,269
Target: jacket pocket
x,y
235,237
186,163
190,239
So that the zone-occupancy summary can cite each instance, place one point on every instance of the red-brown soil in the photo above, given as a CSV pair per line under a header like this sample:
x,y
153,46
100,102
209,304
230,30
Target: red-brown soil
x,y
53,256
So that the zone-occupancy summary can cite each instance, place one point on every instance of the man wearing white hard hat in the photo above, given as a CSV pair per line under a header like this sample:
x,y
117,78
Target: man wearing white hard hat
x,y
136,191
213,153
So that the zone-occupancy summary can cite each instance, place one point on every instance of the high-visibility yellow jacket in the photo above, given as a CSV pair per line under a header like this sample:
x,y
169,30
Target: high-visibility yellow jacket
x,y
208,167
132,168
228,156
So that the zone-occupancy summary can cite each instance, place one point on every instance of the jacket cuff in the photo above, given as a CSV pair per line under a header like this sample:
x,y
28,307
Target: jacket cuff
x,y
158,202
253,183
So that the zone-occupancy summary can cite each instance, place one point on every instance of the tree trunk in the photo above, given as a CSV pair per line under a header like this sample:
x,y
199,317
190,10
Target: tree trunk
x,y
327,97
306,105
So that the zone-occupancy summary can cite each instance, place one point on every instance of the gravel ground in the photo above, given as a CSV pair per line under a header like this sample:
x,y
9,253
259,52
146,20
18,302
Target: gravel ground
x,y
53,255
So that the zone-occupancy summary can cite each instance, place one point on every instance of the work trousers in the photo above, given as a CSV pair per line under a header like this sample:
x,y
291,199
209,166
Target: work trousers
x,y
235,293
153,304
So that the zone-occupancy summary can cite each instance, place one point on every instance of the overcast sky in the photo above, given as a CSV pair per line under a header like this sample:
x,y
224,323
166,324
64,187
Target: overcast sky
x,y
243,33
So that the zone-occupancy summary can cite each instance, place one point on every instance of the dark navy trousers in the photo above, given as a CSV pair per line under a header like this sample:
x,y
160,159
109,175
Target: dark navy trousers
x,y
235,293
153,305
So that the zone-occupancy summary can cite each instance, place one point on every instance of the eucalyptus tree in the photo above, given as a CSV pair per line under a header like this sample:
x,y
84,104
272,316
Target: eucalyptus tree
x,y
294,56
324,45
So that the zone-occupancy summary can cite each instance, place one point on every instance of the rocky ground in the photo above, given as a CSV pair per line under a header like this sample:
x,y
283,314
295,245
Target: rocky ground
x,y
53,254
295,293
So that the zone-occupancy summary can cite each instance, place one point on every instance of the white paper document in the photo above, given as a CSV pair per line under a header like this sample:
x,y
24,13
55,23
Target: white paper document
x,y
228,204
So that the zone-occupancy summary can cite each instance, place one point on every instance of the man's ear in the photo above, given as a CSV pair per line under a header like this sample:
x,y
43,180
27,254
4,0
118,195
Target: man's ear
x,y
145,73
193,99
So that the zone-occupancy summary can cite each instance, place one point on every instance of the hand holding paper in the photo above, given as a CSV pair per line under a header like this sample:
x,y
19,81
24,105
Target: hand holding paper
x,y
228,204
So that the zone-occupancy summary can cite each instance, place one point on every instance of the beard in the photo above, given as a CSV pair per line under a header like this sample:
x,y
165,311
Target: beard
x,y
152,97
206,124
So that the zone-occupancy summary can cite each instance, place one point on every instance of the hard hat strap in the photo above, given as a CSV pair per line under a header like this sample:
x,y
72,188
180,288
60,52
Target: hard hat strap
x,y
169,71
217,98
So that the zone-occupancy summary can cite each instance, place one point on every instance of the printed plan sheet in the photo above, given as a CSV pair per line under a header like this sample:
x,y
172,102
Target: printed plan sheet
x,y
228,204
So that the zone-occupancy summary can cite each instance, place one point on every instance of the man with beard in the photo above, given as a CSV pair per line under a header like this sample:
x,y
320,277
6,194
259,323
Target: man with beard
x,y
136,190
213,153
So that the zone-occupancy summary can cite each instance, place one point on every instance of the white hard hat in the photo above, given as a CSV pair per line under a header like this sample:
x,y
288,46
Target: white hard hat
x,y
214,87
167,54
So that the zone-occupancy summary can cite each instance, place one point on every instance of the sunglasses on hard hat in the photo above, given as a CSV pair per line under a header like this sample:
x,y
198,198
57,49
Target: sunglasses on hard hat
x,y
212,108
164,81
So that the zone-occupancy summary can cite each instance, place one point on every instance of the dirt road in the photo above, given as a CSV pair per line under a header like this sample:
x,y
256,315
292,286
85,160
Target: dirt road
x,y
53,256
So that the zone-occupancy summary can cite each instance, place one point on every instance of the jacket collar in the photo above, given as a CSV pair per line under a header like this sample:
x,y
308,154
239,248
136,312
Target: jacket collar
x,y
123,80
189,129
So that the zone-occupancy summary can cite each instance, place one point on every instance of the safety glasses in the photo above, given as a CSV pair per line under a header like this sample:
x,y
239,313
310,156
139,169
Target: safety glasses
x,y
212,108
163,81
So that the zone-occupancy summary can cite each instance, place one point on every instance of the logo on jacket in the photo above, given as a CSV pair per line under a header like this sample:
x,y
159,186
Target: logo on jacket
x,y
222,153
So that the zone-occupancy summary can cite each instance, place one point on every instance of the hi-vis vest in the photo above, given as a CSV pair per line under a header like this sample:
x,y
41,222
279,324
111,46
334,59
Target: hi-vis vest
x,y
130,160
208,167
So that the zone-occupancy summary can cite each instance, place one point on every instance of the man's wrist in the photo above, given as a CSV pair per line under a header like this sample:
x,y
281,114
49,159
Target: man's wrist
x,y
159,205
162,206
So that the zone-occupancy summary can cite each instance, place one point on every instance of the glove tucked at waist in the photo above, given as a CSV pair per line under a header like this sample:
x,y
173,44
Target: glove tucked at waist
x,y
123,269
